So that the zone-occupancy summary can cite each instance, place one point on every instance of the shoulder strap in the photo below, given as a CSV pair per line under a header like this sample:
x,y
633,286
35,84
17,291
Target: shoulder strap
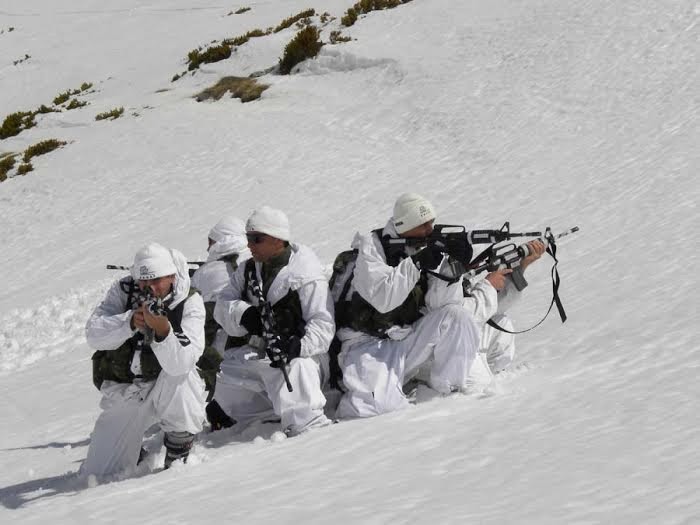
x,y
248,274
128,285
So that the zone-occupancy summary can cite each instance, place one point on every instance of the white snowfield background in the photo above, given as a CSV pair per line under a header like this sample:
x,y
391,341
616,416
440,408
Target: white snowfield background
x,y
543,113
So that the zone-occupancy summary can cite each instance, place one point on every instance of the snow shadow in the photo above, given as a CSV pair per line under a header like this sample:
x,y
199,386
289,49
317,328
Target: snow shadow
x,y
54,444
21,494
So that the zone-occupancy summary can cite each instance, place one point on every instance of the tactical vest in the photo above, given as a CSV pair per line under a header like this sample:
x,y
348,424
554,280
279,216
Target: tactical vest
x,y
115,365
356,313
289,319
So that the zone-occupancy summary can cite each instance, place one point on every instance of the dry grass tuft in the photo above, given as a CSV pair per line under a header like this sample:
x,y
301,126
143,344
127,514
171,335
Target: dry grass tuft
x,y
245,88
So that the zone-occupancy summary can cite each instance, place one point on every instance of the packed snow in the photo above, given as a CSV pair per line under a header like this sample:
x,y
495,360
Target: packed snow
x,y
542,113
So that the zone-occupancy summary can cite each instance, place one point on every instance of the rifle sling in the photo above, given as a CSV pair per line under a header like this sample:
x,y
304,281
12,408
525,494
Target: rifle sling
x,y
556,281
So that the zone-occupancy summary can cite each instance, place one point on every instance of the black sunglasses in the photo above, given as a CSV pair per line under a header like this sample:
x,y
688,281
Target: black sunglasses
x,y
255,238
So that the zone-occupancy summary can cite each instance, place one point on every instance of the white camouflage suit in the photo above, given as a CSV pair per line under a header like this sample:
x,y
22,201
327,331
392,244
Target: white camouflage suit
x,y
175,400
446,336
496,348
215,275
247,388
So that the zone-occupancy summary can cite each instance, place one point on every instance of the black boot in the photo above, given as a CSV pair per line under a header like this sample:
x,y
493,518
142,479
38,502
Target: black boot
x,y
217,418
177,446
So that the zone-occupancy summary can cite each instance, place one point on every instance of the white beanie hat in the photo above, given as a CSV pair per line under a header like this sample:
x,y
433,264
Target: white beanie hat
x,y
225,227
269,221
411,210
152,261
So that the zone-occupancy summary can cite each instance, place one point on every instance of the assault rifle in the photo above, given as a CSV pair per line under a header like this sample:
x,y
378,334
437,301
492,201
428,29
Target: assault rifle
x,y
155,305
455,238
510,256
273,342
446,235
128,268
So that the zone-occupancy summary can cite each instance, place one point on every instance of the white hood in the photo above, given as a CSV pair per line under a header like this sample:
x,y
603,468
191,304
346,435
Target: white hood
x,y
227,245
181,288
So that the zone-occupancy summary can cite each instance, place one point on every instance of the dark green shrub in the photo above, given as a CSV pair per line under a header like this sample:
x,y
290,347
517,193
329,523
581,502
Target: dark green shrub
x,y
85,86
25,168
41,148
326,17
62,97
45,109
16,122
113,114
287,22
245,88
349,18
75,104
6,164
241,10
304,45
240,40
210,55
365,6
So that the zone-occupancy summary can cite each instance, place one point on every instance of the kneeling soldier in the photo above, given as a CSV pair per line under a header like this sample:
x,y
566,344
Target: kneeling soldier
x,y
149,332
278,301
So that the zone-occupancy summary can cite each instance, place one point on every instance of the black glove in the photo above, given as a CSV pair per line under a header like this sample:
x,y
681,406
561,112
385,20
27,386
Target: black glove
x,y
288,349
250,320
459,249
428,258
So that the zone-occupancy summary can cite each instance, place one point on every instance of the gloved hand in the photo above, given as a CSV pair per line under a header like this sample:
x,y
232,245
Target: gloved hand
x,y
459,249
250,320
428,258
288,349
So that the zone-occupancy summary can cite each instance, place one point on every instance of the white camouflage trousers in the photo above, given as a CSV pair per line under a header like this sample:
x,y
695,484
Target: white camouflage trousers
x,y
176,403
498,347
374,371
248,388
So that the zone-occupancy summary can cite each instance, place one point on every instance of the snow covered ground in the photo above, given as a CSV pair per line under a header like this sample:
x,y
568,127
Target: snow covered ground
x,y
544,113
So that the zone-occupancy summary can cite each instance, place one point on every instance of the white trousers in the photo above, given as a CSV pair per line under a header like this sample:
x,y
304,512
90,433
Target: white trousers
x,y
248,388
374,371
498,347
176,403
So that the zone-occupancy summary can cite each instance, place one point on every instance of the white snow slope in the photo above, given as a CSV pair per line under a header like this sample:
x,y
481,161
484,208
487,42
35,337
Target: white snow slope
x,y
541,112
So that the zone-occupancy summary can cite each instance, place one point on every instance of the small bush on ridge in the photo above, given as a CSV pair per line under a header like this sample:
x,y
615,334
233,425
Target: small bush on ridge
x,y
25,168
15,123
6,164
75,104
304,45
113,114
287,22
62,97
41,148
365,6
